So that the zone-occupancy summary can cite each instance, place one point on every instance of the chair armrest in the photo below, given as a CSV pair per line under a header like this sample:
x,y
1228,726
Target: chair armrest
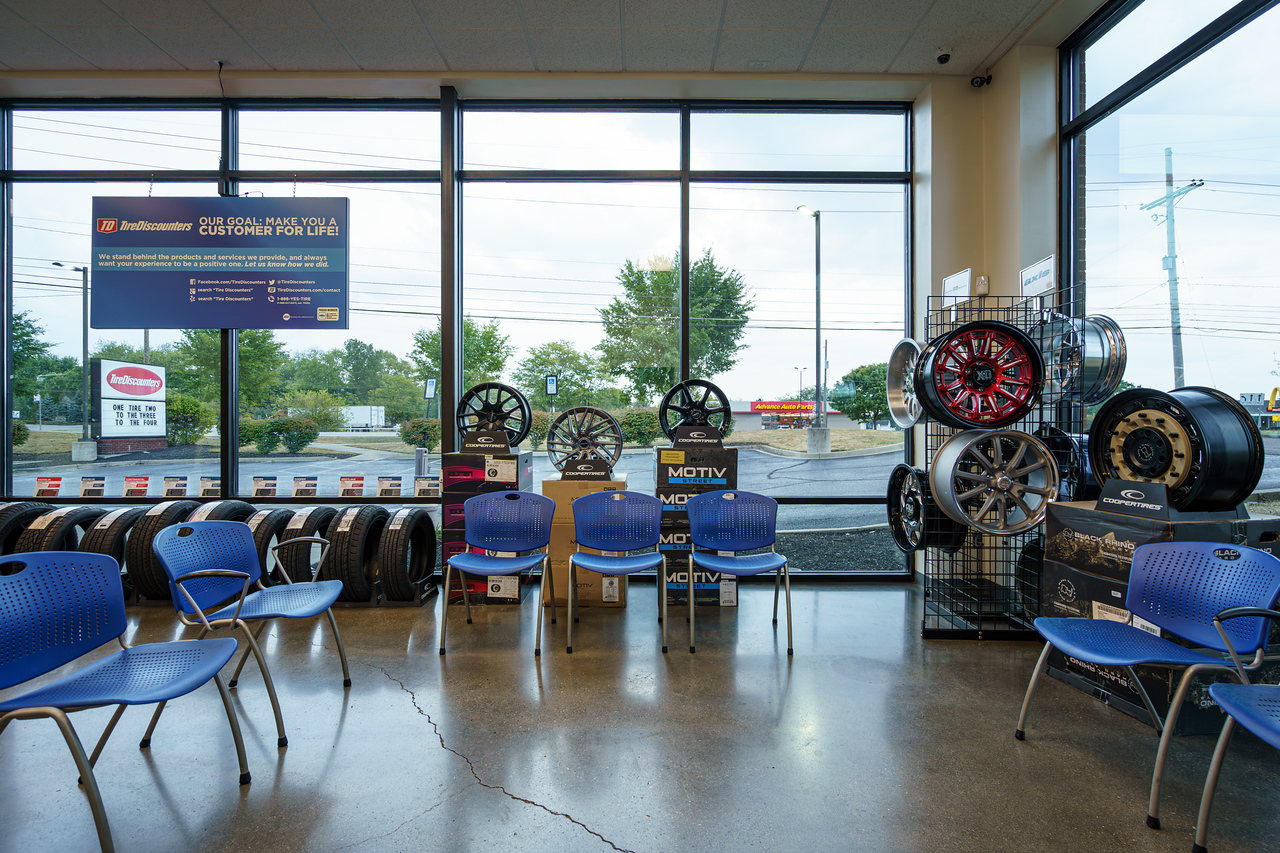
x,y
301,540
1236,613
211,573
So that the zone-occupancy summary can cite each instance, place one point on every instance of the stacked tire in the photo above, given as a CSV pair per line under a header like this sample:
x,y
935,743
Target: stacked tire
x,y
15,517
407,552
298,559
60,529
144,570
355,537
267,526
110,536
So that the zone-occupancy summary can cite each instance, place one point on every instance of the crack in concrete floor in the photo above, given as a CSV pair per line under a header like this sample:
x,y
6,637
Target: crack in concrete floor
x,y
413,697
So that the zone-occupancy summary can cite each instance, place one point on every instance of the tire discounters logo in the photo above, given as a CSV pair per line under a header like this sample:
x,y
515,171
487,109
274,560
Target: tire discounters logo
x,y
108,226
134,381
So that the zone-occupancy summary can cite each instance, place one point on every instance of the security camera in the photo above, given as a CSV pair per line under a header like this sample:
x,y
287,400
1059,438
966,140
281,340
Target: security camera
x,y
943,55
980,81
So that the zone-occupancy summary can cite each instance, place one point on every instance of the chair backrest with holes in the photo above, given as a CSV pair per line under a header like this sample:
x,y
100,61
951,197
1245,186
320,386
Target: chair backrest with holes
x,y
508,521
54,607
732,520
195,546
617,521
1180,586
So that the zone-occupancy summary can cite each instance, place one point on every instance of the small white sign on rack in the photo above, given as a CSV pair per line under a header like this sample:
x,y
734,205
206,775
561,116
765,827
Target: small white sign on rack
x,y
1040,278
957,284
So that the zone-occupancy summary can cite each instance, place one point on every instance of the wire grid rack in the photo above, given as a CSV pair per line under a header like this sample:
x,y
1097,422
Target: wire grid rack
x,y
990,587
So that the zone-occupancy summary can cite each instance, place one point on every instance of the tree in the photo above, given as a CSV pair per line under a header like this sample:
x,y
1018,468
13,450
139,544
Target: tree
x,y
485,351
861,394
577,376
401,396
320,407
261,357
28,348
314,370
642,326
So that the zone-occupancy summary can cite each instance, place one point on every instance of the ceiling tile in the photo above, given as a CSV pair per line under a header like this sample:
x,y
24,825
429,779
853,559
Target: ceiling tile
x,y
965,14
267,13
471,49
572,13
876,15
473,13
968,49
299,48
392,48
25,48
782,49
772,14
199,48
577,48
10,19
673,13
848,51
369,13
119,48
669,48
68,13
169,13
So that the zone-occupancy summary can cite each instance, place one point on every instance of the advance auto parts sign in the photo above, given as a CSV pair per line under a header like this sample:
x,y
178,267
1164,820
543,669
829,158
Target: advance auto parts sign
x,y
219,263
128,399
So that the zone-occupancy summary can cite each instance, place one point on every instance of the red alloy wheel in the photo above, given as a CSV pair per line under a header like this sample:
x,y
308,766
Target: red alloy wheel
x,y
984,375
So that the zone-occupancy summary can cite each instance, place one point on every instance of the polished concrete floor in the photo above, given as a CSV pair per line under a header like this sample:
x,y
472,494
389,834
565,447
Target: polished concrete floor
x,y
868,739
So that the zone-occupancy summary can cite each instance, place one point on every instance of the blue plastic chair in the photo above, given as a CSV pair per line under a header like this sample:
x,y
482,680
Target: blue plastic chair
x,y
1254,706
1178,587
618,522
508,522
60,605
203,560
736,521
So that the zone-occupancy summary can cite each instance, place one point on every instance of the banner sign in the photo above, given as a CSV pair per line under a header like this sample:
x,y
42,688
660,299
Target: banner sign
x,y
220,263
776,406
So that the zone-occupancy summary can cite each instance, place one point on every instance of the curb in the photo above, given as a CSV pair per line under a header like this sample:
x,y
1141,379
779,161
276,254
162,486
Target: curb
x,y
62,469
864,529
836,454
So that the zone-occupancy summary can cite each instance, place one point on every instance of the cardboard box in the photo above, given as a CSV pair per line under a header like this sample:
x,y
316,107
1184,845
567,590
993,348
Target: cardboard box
x,y
465,473
564,492
594,589
710,589
712,468
504,589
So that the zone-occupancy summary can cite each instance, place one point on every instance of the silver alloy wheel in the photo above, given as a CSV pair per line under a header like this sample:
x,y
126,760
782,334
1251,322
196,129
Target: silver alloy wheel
x,y
998,482
584,432
904,408
1105,357
1061,343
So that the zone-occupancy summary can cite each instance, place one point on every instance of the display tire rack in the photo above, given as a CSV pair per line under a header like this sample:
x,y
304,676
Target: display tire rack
x,y
110,534
492,406
584,432
267,525
60,529
145,572
1198,442
354,538
694,403
407,553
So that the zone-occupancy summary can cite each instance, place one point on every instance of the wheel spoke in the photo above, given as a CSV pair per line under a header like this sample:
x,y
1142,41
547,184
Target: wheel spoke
x,y
972,493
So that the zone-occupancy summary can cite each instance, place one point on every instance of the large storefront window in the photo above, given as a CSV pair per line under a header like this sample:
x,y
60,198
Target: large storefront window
x,y
1176,213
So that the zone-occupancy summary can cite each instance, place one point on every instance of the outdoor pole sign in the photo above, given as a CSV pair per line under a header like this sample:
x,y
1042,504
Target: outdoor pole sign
x,y
127,400
429,392
220,263
551,385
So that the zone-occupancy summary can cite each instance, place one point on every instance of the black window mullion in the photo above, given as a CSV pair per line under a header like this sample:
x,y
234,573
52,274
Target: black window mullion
x,y
229,418
686,147
6,313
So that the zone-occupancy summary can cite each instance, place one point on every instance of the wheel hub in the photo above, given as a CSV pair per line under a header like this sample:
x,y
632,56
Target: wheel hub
x,y
1148,452
980,375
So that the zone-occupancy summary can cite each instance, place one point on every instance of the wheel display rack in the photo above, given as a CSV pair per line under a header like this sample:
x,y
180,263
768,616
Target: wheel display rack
x,y
989,588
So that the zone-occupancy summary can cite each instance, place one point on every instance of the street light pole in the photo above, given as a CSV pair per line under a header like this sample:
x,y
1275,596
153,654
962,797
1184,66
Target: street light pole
x,y
84,350
820,419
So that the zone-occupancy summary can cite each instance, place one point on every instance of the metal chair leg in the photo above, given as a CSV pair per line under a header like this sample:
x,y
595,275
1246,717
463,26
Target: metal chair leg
x,y
235,729
551,586
1170,722
86,775
777,580
151,727
282,740
244,656
444,604
786,580
1020,732
1211,786
692,648
537,640
466,596
573,587
342,652
662,602
106,733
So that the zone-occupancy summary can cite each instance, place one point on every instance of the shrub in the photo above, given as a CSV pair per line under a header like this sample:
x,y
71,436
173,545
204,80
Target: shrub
x,y
639,426
295,433
188,420
421,432
21,432
728,425
538,426
251,431
320,407
268,441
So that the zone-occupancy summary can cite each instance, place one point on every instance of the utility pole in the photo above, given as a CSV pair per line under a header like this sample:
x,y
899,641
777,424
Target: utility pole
x,y
1169,199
